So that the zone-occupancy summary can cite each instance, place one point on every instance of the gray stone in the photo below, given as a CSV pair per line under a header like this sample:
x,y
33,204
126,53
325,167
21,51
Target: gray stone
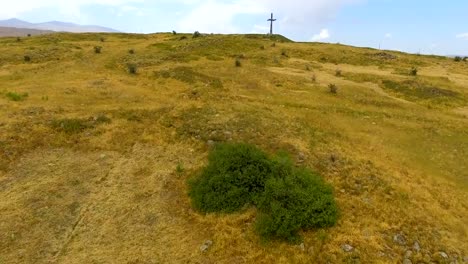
x,y
399,239
302,247
408,254
443,255
347,248
206,245
210,143
407,261
416,246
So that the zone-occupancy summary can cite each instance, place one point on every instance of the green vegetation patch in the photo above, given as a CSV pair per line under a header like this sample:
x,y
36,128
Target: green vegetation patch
x,y
188,75
288,198
16,96
419,89
77,125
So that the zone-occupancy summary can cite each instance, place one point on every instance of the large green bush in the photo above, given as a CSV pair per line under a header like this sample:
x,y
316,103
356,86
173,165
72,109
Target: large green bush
x,y
288,198
235,176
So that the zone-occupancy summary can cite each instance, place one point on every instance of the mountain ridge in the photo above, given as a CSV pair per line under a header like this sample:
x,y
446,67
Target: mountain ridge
x,y
59,26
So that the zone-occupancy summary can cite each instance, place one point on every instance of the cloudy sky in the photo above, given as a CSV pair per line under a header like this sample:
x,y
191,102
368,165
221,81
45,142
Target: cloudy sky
x,y
429,26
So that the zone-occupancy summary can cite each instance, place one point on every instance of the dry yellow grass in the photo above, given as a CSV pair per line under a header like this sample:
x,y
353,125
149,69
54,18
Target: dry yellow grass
x,y
110,192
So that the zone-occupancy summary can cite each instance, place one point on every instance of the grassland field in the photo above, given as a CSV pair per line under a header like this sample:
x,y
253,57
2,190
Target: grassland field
x,y
96,148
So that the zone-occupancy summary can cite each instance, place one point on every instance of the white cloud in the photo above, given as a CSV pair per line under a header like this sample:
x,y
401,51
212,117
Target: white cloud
x,y
388,35
463,36
72,8
294,16
323,35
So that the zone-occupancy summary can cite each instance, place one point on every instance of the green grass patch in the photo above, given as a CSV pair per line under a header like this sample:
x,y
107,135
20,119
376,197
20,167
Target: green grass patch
x,y
188,75
289,199
16,96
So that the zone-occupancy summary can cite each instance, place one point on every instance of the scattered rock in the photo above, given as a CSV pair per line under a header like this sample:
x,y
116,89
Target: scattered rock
x,y
443,255
347,248
210,143
399,239
103,156
206,245
301,157
416,246
408,254
302,247
407,261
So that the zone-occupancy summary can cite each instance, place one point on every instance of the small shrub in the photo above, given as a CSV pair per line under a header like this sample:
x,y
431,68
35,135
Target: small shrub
x,y
132,68
27,58
458,59
465,59
174,32
29,35
338,73
102,39
16,96
97,49
102,119
314,77
262,47
273,45
333,88
180,168
183,38
284,53
196,34
131,51
18,39
238,63
307,67
413,71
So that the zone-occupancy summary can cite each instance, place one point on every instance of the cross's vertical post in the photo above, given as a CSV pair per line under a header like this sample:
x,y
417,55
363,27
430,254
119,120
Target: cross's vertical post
x,y
271,23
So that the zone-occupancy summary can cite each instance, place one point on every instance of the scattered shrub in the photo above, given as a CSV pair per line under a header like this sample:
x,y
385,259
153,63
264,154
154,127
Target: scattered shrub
x,y
16,96
284,53
465,59
307,67
102,39
314,77
102,119
131,51
97,49
29,35
338,73
183,38
273,45
413,71
18,39
333,88
196,34
27,58
132,68
288,198
238,62
174,32
262,47
457,59
180,168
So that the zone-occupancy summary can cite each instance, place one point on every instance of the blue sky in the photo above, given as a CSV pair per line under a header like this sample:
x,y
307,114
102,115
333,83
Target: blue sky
x,y
430,26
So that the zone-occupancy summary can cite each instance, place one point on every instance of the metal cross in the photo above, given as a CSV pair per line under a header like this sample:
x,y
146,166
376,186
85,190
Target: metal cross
x,y
271,23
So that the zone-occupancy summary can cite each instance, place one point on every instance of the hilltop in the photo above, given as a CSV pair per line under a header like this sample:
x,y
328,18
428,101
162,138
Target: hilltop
x,y
53,26
100,133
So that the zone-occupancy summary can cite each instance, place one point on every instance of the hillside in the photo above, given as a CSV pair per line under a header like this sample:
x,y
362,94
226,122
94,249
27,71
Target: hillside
x,y
54,26
94,160
21,32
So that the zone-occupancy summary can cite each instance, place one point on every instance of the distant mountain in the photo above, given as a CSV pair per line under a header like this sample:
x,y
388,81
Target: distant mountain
x,y
20,32
54,26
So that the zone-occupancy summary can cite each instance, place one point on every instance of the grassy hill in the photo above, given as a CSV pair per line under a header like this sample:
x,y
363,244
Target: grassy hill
x,y
94,159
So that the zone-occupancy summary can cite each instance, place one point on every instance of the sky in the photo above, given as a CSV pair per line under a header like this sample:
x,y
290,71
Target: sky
x,y
415,26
